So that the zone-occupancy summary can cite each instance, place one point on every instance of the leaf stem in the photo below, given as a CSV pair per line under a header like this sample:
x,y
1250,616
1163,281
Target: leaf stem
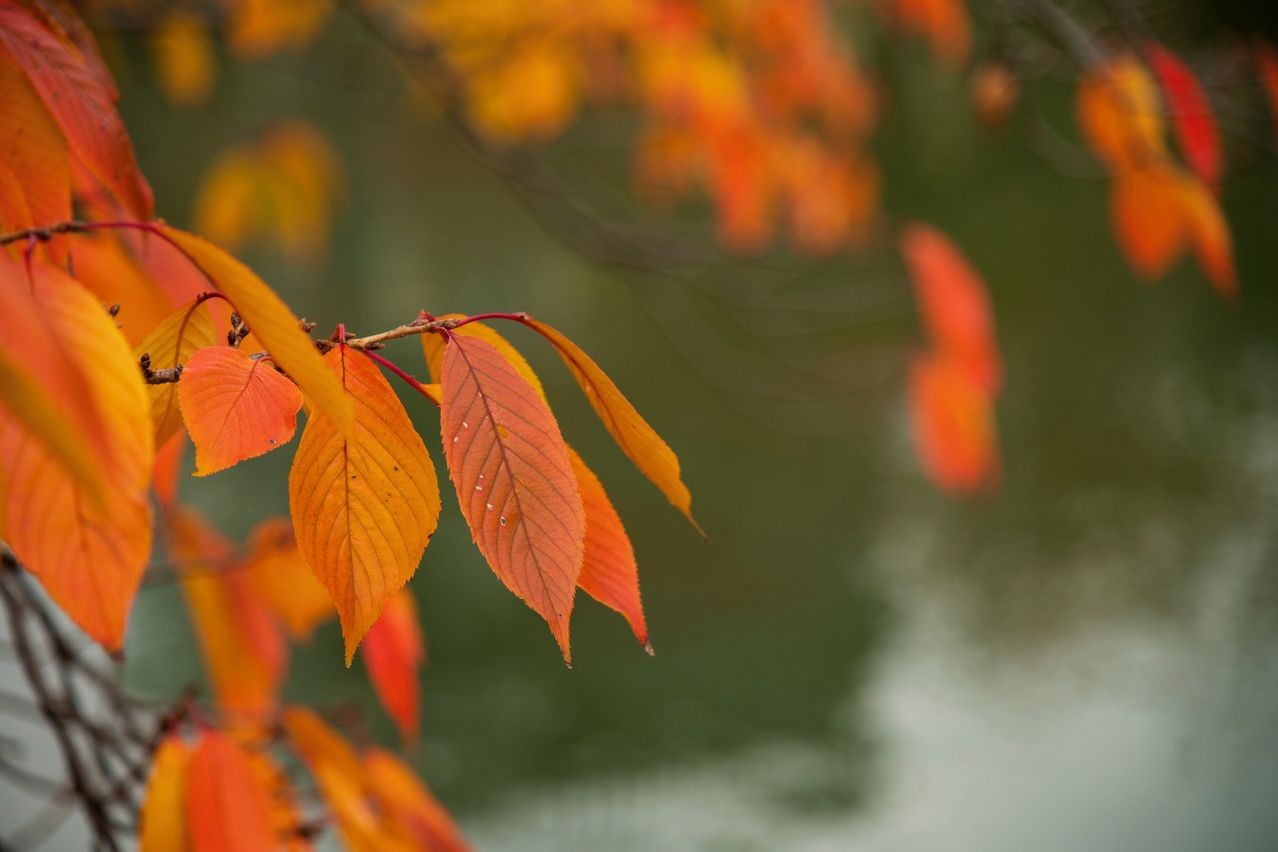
x,y
397,370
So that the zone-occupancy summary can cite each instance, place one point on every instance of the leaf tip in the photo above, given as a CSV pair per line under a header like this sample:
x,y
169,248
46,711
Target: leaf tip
x,y
647,649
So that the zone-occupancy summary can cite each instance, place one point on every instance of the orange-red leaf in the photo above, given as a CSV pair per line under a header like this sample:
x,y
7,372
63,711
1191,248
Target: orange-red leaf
x,y
954,303
179,336
608,571
88,554
412,810
639,441
283,580
514,481
1191,113
271,321
433,349
393,653
364,504
73,91
235,407
243,652
32,147
953,425
162,823
227,807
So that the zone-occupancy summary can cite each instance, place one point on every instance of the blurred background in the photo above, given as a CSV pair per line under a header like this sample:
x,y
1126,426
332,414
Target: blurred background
x,y
1084,658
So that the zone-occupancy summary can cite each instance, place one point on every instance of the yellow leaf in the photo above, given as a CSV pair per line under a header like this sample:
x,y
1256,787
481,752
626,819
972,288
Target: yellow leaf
x,y
271,321
365,504
162,824
183,333
183,55
633,435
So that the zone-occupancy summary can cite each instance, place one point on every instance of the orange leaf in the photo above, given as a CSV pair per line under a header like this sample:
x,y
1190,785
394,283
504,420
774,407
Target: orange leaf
x,y
111,272
89,555
514,481
271,321
235,407
608,571
162,823
227,808
637,439
32,147
73,92
183,53
183,333
283,580
433,349
364,505
243,651
1120,113
953,424
393,652
1191,113
409,806
954,303
1149,219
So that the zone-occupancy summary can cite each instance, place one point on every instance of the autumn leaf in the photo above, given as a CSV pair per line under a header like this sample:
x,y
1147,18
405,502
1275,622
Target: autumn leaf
x,y
33,149
1120,113
1191,113
111,272
235,407
271,321
184,58
183,333
433,348
244,654
953,425
411,809
227,808
162,823
283,580
364,504
954,304
89,555
633,435
73,91
608,570
510,467
393,652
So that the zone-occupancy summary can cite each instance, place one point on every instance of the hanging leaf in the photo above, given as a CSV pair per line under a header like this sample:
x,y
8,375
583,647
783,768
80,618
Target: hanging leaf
x,y
608,571
1191,113
162,823
433,348
637,439
510,467
364,504
953,425
183,333
235,407
184,57
83,107
412,810
271,321
227,808
1120,114
88,554
283,580
393,652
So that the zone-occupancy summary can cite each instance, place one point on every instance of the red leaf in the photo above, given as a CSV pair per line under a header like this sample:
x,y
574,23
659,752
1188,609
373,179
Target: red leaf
x,y
72,89
235,407
227,808
514,481
1191,113
393,652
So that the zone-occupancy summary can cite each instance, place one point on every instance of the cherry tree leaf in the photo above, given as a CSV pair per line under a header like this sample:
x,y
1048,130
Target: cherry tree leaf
x,y
608,571
510,467
33,148
433,348
1191,113
271,322
235,407
1120,114
88,554
412,810
284,581
73,91
639,441
393,652
364,504
227,807
162,823
179,336
953,425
